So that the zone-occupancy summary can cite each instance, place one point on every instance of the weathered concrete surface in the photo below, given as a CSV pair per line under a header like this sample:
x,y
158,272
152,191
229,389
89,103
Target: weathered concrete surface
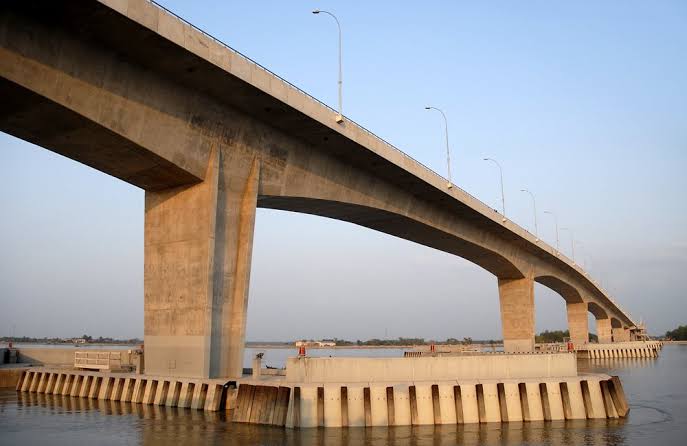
x,y
199,394
516,298
62,356
616,349
9,376
603,331
435,402
578,322
198,242
486,366
620,334
127,88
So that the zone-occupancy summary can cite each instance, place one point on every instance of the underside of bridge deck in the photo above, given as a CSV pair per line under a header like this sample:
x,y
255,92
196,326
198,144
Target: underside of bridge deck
x,y
136,93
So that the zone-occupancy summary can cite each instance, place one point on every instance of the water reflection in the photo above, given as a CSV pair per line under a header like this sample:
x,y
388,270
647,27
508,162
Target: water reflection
x,y
154,425
655,389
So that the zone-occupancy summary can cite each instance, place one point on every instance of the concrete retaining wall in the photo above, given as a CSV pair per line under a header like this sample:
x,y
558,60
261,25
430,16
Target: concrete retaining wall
x,y
201,394
637,349
480,366
63,356
431,403
10,376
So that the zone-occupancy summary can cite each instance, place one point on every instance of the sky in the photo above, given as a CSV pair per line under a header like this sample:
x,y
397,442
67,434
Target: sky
x,y
583,103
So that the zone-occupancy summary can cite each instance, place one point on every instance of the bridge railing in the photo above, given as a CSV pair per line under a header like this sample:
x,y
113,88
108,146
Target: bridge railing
x,y
290,85
382,141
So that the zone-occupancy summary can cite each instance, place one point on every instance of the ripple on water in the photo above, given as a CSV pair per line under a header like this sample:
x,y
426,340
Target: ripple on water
x,y
658,416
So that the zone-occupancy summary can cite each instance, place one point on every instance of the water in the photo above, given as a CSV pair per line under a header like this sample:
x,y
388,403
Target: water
x,y
273,357
655,389
276,357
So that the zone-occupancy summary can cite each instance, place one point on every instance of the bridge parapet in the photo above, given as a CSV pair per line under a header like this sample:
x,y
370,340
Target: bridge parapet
x,y
211,135
167,24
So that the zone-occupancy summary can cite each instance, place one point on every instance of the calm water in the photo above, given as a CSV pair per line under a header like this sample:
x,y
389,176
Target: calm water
x,y
273,357
655,388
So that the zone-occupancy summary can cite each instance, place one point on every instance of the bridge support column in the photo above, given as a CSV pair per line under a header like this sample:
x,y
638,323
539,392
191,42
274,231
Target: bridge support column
x,y
578,324
198,244
516,297
603,331
620,334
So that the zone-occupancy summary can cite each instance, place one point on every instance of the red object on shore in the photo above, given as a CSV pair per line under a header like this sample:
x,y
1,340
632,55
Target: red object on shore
x,y
571,347
301,351
432,348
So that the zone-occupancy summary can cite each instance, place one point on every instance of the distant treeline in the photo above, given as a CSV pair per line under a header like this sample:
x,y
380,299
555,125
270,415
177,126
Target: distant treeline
x,y
558,336
679,334
410,341
88,339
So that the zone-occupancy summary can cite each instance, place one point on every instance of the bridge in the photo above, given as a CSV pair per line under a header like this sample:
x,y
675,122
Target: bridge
x,y
130,89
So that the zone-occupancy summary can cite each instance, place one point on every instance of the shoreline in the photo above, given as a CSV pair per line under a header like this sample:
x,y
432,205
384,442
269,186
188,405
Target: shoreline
x,y
248,345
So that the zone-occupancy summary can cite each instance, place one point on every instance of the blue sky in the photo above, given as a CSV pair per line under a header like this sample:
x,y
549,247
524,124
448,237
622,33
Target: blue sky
x,y
583,103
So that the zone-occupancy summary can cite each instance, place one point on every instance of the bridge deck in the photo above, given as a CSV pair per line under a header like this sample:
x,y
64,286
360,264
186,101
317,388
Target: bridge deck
x,y
217,69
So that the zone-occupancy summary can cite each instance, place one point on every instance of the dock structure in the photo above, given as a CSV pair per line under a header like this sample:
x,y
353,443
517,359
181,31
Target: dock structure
x,y
349,392
431,402
638,349
192,393
477,388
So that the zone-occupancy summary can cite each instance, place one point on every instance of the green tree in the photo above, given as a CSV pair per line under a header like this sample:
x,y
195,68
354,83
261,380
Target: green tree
x,y
679,334
552,336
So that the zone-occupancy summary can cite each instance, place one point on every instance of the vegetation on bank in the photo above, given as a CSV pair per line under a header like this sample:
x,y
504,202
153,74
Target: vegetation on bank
x,y
547,336
401,341
679,334
86,339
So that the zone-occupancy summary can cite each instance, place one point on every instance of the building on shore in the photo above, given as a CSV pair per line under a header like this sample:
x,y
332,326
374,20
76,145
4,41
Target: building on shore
x,y
304,343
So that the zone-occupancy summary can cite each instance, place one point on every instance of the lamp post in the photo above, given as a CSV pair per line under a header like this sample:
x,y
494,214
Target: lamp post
x,y
503,198
572,241
579,244
534,208
339,117
583,255
448,152
555,218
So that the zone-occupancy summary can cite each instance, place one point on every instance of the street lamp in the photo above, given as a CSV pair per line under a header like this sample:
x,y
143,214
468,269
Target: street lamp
x,y
534,207
555,218
339,117
503,198
584,254
448,153
579,244
572,241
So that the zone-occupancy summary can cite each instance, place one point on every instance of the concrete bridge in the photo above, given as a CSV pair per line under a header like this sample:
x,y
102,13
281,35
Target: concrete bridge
x,y
128,88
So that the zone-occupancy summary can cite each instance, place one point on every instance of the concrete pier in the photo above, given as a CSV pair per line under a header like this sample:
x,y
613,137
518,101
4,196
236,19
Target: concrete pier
x,y
439,368
371,394
578,324
603,331
201,394
347,392
638,349
516,297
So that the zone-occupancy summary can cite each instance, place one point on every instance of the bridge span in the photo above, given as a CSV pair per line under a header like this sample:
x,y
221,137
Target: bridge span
x,y
130,89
